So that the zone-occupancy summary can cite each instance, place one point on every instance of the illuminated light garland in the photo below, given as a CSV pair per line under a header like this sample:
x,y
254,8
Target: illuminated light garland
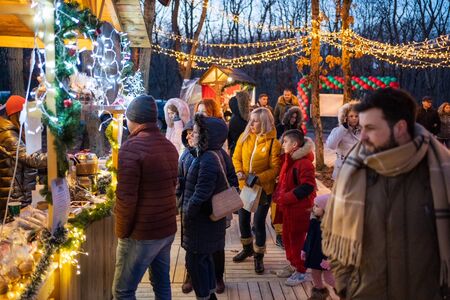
x,y
270,55
186,40
70,22
259,26
426,54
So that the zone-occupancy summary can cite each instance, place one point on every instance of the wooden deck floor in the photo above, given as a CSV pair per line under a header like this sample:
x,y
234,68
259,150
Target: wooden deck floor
x,y
240,279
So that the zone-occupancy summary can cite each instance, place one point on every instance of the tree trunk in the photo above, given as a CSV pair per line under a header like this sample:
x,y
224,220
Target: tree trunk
x,y
314,77
15,69
176,31
145,54
346,64
188,71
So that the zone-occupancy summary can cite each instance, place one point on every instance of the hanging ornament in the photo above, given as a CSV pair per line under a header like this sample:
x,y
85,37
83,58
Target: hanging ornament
x,y
71,52
98,31
67,103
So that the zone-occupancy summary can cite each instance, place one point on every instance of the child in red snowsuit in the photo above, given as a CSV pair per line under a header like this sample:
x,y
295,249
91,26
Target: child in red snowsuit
x,y
295,194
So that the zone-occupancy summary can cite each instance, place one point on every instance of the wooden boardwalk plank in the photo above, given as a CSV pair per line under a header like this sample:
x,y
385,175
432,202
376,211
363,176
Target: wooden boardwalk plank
x,y
266,292
255,293
244,293
277,292
233,291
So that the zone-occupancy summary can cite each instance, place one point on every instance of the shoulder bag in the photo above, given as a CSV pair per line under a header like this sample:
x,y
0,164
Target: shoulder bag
x,y
227,201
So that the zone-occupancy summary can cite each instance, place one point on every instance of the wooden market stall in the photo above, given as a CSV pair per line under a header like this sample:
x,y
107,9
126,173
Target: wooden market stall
x,y
217,78
17,30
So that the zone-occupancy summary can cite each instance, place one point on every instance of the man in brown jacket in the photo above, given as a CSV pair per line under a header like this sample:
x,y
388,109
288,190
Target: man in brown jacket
x,y
386,227
145,207
285,101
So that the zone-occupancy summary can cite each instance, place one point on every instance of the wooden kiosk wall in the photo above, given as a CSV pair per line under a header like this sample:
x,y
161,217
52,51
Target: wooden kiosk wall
x,y
97,268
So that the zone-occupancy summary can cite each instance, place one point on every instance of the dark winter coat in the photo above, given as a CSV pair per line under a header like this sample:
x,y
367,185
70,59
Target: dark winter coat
x,y
429,118
240,109
313,245
258,105
25,179
286,122
205,179
282,106
147,176
185,161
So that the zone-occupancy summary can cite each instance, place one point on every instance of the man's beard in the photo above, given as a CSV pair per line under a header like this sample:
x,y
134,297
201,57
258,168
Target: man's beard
x,y
391,143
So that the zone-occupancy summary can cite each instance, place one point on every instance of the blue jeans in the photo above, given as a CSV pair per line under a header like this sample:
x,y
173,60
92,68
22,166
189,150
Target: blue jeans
x,y
259,221
134,258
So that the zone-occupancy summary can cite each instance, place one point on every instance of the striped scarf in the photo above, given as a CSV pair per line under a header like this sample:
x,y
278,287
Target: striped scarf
x,y
342,235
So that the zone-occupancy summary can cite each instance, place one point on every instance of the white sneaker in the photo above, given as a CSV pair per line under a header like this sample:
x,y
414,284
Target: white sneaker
x,y
296,279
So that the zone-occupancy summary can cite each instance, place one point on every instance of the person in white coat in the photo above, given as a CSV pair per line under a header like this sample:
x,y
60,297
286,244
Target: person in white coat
x,y
345,136
176,113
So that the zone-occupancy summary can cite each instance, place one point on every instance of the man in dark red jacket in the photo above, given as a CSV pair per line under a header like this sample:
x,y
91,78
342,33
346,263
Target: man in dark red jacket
x,y
145,207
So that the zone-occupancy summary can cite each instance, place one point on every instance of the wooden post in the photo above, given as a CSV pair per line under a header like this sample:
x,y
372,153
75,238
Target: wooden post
x,y
117,132
346,63
49,42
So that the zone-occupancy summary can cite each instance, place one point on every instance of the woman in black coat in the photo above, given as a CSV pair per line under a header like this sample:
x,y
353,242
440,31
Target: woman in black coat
x,y
292,119
240,107
202,237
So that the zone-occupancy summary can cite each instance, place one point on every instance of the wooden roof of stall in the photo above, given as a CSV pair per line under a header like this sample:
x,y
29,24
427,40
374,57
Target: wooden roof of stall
x,y
16,21
220,75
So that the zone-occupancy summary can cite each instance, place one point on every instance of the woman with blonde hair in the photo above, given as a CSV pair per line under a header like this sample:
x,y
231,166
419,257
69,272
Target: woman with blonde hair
x,y
257,154
209,107
345,136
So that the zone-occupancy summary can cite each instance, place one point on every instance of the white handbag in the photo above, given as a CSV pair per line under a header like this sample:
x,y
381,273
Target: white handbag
x,y
227,201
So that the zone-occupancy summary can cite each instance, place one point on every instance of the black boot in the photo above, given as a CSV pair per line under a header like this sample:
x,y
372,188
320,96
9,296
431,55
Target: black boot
x,y
246,252
259,263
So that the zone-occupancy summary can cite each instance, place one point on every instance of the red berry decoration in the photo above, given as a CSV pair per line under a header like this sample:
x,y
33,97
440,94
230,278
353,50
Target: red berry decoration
x,y
72,52
67,103
98,32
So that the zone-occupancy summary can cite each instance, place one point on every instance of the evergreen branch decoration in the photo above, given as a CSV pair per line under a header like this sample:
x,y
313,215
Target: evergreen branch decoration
x,y
51,244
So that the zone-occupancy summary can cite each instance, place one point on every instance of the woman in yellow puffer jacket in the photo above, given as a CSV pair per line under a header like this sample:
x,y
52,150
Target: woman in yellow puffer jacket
x,y
257,152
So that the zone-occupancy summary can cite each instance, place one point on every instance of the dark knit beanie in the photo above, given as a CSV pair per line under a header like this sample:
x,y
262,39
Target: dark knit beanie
x,y
142,109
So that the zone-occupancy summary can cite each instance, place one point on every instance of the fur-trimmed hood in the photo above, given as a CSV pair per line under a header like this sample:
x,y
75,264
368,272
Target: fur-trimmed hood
x,y
283,102
307,149
182,107
441,108
240,104
293,110
344,109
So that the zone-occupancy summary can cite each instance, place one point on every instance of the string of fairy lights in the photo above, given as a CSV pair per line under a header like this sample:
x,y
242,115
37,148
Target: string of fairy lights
x,y
426,54
262,44
430,53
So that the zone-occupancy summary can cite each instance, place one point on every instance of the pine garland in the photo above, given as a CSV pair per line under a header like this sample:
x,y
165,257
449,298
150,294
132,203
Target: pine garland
x,y
51,244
